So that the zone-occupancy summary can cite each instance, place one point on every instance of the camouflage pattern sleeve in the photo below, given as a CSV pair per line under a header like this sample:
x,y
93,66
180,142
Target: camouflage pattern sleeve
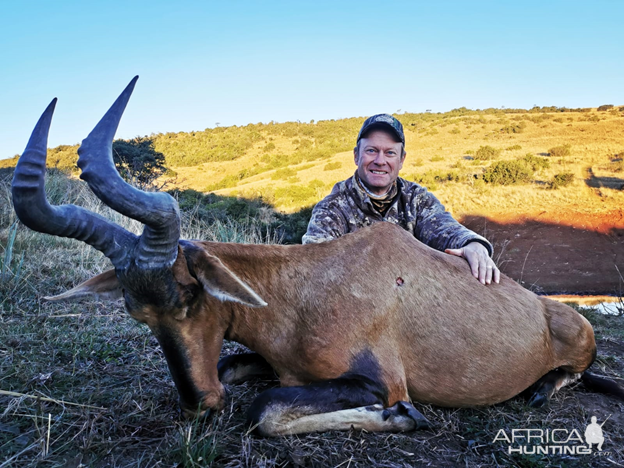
x,y
438,229
326,223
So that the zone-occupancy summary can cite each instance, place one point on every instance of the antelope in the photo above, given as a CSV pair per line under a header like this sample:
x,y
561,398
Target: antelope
x,y
355,329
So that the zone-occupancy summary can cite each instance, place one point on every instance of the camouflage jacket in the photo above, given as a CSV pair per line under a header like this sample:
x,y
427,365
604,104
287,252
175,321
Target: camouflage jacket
x,y
348,208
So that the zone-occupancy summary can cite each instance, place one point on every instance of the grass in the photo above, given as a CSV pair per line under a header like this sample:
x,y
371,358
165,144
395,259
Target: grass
x,y
89,386
323,151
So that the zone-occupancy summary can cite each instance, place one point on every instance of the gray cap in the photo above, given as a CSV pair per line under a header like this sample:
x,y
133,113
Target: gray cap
x,y
383,121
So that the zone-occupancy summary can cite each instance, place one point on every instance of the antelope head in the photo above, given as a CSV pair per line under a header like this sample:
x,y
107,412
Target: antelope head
x,y
173,286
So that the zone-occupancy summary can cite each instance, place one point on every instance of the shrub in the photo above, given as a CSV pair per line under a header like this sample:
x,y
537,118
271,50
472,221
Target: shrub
x,y
485,153
455,131
513,148
514,128
226,182
605,107
268,147
282,174
436,158
561,180
617,163
558,120
298,195
332,166
432,178
537,163
563,150
63,157
508,173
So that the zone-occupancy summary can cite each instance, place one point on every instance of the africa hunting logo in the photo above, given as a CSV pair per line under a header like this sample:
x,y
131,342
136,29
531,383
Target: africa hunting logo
x,y
554,441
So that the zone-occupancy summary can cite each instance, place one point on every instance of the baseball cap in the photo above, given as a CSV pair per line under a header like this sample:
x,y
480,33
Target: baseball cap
x,y
385,121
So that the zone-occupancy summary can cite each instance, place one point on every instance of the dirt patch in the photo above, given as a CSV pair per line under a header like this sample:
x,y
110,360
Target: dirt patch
x,y
558,252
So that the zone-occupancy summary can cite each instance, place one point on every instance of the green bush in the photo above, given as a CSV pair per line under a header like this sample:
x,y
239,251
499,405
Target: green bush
x,y
137,161
514,128
508,173
561,180
485,153
432,178
226,182
537,163
283,174
513,148
617,163
563,150
332,166
298,195
605,107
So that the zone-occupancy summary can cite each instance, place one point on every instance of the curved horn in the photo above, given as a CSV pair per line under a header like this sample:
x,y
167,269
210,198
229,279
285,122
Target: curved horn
x,y
33,209
158,245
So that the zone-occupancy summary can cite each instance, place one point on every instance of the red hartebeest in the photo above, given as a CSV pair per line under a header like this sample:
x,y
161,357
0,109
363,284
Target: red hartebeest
x,y
355,328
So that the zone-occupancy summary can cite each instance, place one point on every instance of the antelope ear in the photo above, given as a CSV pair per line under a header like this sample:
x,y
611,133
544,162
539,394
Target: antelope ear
x,y
103,286
221,283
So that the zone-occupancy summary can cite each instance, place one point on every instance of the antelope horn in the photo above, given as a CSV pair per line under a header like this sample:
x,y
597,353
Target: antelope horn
x,y
158,244
33,209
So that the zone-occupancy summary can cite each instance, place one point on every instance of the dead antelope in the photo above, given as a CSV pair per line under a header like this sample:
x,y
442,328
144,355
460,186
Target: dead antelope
x,y
355,328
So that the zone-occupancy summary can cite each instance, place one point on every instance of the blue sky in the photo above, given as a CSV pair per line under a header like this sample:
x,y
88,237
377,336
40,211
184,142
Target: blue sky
x,y
238,62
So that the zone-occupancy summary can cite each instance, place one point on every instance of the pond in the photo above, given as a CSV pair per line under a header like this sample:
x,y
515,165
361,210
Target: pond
x,y
612,305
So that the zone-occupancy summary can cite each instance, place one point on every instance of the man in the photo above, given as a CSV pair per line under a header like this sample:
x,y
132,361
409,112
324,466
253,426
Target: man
x,y
593,434
376,193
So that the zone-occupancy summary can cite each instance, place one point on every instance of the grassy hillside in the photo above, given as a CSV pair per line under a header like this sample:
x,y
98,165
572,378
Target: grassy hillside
x,y
548,157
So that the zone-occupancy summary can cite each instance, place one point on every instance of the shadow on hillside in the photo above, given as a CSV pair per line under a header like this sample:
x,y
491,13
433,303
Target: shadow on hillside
x,y
603,182
551,258
270,223
289,228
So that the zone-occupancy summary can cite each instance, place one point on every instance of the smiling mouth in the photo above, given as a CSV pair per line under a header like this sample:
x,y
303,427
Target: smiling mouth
x,y
379,172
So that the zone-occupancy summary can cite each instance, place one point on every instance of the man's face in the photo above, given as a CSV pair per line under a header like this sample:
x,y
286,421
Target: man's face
x,y
379,161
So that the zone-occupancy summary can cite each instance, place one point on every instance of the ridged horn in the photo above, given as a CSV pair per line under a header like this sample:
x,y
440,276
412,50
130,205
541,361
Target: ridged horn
x,y
33,209
158,244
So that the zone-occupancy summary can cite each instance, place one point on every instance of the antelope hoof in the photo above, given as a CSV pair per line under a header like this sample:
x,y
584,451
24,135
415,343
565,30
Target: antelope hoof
x,y
404,408
538,400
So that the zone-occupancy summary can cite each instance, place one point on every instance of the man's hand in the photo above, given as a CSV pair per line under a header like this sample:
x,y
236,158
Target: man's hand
x,y
482,266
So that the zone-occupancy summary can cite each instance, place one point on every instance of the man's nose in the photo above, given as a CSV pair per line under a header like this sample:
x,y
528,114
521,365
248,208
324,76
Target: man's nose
x,y
380,159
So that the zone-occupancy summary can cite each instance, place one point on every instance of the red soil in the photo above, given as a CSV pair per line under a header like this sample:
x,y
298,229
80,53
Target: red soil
x,y
558,253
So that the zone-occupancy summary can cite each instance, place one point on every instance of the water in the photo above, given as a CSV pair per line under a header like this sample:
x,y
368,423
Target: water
x,y
609,305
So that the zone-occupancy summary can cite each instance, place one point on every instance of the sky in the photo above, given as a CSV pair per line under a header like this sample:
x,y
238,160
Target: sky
x,y
206,63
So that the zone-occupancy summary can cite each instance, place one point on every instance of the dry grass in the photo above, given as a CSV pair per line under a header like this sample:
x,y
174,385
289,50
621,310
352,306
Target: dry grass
x,y
84,385
594,139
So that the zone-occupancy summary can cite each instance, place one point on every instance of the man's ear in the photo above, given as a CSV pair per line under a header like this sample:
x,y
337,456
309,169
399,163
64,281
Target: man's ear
x,y
103,286
355,156
220,282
